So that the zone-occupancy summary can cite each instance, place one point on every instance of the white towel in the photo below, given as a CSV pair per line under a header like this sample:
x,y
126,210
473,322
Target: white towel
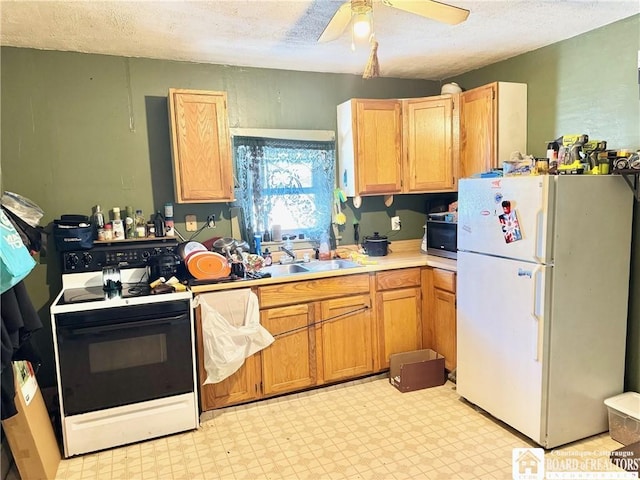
x,y
231,331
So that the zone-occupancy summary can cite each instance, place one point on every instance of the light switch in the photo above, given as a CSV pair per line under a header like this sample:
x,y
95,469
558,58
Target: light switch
x,y
191,225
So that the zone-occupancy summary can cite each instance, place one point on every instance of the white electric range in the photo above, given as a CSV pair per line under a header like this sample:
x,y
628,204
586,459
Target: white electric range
x,y
125,358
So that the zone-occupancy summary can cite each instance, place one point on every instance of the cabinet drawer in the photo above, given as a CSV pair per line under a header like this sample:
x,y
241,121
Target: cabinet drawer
x,y
444,280
312,290
409,277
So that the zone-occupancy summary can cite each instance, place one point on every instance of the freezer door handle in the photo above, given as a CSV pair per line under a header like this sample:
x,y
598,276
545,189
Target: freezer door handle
x,y
539,236
536,312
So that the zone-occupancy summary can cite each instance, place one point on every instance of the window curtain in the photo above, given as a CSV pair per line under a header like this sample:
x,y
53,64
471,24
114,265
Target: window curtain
x,y
285,182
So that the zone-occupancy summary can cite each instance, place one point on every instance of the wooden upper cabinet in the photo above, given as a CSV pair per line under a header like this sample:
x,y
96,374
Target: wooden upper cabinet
x,y
430,149
201,146
370,146
398,146
493,124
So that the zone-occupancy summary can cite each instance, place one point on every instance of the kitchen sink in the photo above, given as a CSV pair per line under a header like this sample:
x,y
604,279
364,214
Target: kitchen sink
x,y
311,267
326,265
287,269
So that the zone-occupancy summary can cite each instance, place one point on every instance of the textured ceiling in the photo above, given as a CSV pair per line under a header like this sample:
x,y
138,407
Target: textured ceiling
x,y
282,34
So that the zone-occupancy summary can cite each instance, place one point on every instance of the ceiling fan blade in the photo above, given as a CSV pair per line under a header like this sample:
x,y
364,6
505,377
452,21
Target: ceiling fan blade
x,y
431,9
338,23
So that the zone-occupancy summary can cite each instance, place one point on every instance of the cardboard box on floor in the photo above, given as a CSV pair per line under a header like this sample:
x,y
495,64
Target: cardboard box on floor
x,y
30,434
416,370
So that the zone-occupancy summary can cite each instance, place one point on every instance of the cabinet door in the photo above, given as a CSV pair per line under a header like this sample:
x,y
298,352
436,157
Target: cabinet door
x,y
346,337
379,146
444,317
242,386
200,146
400,322
428,144
289,362
478,126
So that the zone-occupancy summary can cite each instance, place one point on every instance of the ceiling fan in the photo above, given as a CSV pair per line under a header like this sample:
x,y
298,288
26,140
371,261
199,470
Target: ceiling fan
x,y
360,12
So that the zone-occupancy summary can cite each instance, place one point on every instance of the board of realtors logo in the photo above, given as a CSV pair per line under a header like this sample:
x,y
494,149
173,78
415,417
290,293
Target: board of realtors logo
x,y
527,463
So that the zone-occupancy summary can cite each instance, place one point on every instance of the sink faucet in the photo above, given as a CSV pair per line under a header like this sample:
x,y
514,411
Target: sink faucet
x,y
291,257
287,247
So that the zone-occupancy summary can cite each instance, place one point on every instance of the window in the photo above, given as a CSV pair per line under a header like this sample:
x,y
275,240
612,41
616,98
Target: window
x,y
285,182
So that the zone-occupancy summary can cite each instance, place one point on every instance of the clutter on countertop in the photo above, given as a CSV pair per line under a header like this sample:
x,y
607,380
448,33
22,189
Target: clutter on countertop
x,y
160,285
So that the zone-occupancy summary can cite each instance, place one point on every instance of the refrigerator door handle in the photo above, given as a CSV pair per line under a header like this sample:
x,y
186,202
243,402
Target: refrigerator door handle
x,y
537,302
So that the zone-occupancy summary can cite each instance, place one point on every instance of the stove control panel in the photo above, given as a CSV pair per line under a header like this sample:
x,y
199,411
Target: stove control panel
x,y
125,254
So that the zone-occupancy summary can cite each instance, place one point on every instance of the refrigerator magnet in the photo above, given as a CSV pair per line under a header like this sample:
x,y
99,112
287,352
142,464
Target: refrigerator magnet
x,y
509,223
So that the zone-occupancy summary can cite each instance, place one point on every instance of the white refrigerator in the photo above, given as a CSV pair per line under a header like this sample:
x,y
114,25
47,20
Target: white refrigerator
x,y
543,282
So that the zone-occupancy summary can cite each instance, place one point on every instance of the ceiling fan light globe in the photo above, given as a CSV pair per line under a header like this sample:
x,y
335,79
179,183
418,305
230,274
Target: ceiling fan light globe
x,y
361,25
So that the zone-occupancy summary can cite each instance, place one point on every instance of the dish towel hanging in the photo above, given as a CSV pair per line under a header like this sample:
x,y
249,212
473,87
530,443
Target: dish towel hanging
x,y
231,331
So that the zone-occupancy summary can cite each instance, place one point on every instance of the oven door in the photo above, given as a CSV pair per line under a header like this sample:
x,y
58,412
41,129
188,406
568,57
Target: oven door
x,y
122,355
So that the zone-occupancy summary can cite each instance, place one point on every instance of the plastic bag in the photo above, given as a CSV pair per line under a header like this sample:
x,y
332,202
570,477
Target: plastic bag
x,y
16,262
22,207
231,331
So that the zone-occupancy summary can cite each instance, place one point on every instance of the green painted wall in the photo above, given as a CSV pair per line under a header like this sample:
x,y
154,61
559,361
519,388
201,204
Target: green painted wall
x,y
80,130
587,84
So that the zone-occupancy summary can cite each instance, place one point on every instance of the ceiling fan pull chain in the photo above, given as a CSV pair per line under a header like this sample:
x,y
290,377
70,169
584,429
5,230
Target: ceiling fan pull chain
x,y
372,69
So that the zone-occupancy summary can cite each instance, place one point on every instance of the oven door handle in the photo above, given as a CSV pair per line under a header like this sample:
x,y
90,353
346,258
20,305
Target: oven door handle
x,y
130,324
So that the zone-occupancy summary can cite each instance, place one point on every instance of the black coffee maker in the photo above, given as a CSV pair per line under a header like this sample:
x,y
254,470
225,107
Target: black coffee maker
x,y
162,265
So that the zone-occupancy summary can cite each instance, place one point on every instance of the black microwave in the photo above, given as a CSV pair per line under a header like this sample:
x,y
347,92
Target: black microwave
x,y
442,238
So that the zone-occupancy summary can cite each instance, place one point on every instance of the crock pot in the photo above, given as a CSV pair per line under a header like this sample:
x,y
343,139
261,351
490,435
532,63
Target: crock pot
x,y
376,246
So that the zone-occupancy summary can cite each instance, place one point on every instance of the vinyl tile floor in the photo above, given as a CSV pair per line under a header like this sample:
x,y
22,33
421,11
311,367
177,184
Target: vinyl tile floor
x,y
365,429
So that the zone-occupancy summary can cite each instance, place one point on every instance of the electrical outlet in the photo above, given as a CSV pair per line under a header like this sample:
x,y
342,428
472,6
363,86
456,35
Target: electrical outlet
x,y
395,223
190,223
211,221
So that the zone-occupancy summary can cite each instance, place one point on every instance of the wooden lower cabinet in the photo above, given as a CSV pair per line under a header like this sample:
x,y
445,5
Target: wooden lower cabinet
x,y
399,312
242,386
439,304
289,363
400,322
346,337
322,336
444,319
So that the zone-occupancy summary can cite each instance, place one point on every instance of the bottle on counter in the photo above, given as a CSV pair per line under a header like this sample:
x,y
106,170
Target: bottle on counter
x,y
168,220
98,222
140,224
108,232
129,226
159,225
169,227
257,244
118,225
267,257
324,252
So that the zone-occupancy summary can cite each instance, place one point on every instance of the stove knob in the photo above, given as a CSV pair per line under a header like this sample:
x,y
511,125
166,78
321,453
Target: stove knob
x,y
146,254
72,260
87,259
157,251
